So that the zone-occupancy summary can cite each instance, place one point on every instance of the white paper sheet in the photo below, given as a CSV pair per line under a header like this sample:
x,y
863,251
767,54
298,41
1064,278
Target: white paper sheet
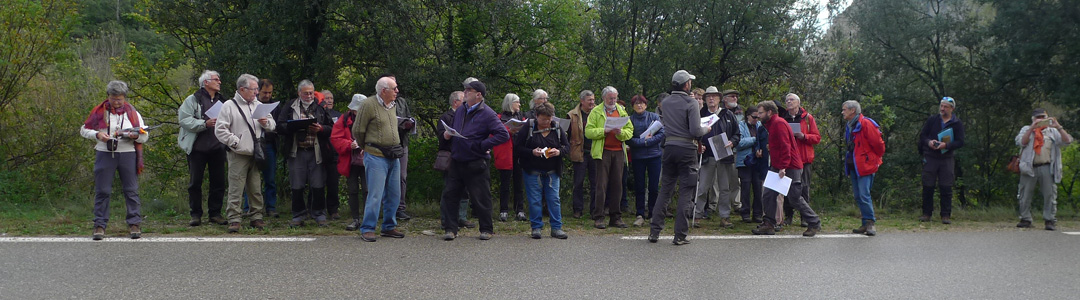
x,y
709,121
515,124
615,122
452,131
717,143
653,128
773,181
214,110
263,110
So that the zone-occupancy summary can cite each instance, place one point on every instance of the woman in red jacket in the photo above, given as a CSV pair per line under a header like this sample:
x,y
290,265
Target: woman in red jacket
x,y
506,163
342,139
864,150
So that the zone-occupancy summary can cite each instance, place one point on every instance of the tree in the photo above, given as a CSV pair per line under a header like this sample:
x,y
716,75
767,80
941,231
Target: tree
x,y
33,33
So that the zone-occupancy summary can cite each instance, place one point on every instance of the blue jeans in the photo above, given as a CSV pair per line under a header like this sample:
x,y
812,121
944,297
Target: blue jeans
x,y
860,186
643,167
549,182
269,171
384,192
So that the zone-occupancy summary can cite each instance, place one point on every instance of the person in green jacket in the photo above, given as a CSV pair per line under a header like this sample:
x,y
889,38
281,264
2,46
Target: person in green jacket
x,y
608,146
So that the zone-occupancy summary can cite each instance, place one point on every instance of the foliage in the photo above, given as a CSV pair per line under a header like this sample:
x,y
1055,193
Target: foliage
x,y
33,33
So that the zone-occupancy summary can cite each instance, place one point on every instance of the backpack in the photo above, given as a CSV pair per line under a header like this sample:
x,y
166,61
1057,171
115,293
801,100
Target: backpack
x,y
532,129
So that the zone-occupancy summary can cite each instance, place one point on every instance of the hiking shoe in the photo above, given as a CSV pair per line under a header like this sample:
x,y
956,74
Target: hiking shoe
x,y
1051,225
924,218
764,229
861,229
747,219
726,223
218,220
466,224
803,224
258,224
617,223
1024,224
639,221
485,236
870,230
449,236
788,220
296,222
195,222
99,233
393,233
654,236
323,222
680,240
234,227
599,224
521,216
559,234
401,215
353,226
134,231
811,230
535,233
368,236
502,216
946,220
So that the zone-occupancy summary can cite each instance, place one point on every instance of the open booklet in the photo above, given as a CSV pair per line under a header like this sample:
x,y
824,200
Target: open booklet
x,y
653,128
718,144
515,124
709,121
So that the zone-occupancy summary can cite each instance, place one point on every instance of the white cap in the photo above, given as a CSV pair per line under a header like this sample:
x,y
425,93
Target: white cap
x,y
357,99
682,76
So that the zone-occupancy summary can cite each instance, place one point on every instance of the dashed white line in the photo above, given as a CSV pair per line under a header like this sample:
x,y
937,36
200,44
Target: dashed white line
x,y
154,240
749,237
1071,232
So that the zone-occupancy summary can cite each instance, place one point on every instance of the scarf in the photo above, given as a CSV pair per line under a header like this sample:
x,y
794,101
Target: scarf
x,y
96,120
1038,145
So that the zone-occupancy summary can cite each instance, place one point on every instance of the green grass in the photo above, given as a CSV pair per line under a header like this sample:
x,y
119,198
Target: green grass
x,y
23,219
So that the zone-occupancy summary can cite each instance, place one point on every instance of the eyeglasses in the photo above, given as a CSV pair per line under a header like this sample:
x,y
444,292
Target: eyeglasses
x,y
215,79
949,100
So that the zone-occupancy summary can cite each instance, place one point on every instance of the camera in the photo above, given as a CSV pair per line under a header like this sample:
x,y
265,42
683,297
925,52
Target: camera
x,y
111,144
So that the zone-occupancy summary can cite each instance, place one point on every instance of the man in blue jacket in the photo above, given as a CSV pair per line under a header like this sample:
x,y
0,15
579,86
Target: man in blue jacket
x,y
938,158
479,129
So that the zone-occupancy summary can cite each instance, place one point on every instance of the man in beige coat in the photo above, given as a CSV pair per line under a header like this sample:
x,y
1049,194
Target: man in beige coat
x,y
237,130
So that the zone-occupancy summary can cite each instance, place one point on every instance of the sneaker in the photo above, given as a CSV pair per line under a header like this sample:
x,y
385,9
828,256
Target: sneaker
x,y
393,233
368,236
946,220
559,234
218,220
726,223
449,236
258,224
1051,225
811,230
870,230
234,227
764,229
1024,224
639,221
680,240
195,222
353,226
134,231
535,233
924,218
618,223
485,236
465,223
747,219
99,233
521,216
502,217
402,216
599,224
654,236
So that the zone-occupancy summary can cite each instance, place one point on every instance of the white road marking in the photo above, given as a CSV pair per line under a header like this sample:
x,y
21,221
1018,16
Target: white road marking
x,y
1071,232
153,239
748,237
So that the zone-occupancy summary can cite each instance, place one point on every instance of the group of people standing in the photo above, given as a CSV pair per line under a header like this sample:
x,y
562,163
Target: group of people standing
x,y
668,150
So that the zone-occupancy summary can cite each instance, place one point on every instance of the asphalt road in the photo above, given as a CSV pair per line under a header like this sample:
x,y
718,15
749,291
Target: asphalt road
x,y
992,265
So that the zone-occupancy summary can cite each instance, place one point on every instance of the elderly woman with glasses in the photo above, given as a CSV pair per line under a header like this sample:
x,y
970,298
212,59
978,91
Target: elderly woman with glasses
x,y
118,129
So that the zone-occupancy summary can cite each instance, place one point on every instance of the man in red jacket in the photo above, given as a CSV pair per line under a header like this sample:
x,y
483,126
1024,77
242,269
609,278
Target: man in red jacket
x,y
865,147
787,161
805,138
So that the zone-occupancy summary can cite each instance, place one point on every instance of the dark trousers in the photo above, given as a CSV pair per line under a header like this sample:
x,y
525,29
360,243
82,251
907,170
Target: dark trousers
x,y
625,202
356,185
581,169
646,167
404,162
794,196
678,165
474,177
305,172
751,190
505,179
106,166
804,191
609,184
942,173
333,185
199,161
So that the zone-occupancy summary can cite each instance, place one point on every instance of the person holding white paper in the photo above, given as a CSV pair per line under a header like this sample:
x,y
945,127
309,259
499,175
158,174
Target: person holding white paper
x,y
787,161
645,154
608,146
238,131
719,181
506,162
939,163
679,162
204,151
806,137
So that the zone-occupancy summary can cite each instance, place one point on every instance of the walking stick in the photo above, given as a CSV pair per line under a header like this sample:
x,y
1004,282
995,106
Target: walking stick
x,y
697,185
